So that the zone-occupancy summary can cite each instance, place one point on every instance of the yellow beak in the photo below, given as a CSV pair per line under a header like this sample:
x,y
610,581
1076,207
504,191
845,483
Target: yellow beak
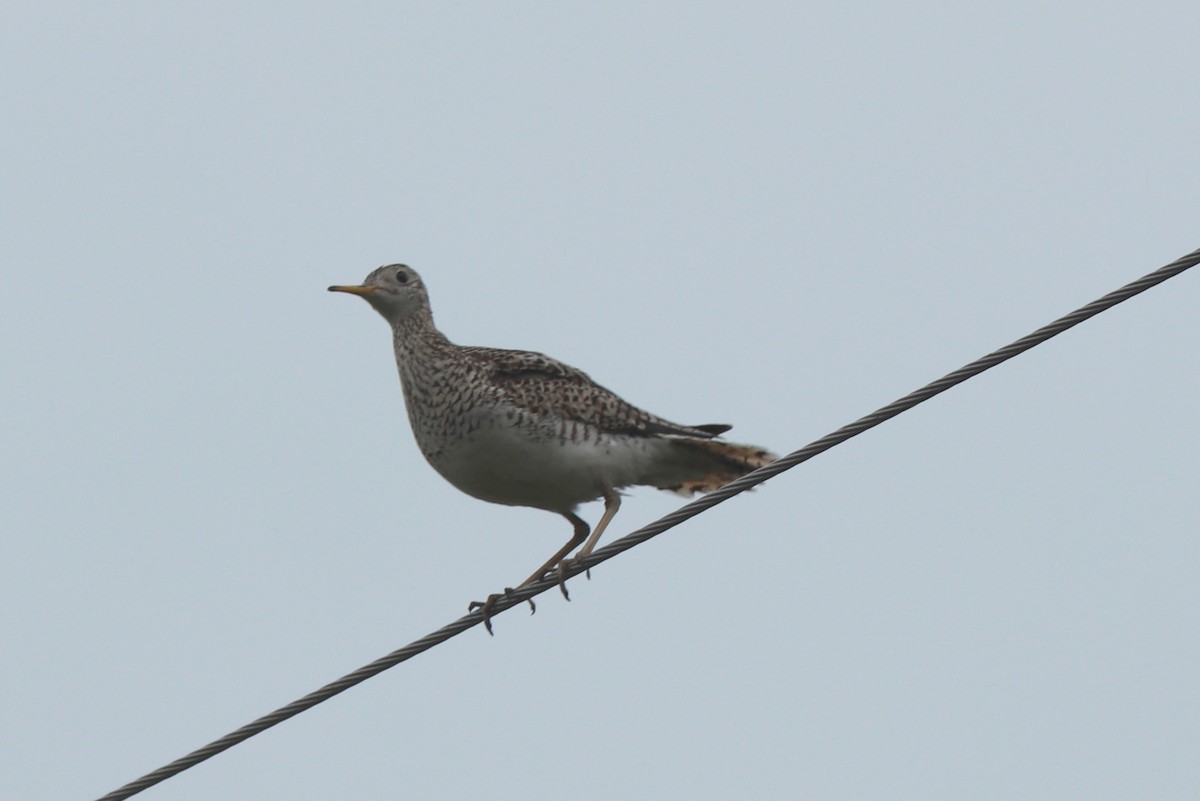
x,y
354,290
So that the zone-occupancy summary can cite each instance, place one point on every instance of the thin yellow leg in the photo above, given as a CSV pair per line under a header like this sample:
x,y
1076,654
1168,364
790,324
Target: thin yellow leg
x,y
612,502
580,533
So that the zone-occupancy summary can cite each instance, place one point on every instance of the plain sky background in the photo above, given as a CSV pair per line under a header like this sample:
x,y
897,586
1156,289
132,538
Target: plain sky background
x,y
775,215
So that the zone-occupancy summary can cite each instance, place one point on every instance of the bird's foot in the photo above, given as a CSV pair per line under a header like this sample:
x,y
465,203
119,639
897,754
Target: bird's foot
x,y
487,606
562,579
562,575
587,571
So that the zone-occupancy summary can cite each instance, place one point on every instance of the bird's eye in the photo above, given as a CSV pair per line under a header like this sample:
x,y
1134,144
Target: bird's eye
x,y
402,276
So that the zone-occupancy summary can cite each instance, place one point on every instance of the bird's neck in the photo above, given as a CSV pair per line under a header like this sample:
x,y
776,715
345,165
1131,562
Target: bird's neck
x,y
416,338
428,364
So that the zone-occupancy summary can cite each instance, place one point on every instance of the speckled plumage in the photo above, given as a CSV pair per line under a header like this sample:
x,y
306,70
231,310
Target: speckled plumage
x,y
523,429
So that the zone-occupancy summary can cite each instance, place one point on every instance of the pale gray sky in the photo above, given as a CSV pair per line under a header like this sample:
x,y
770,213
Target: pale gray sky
x,y
774,215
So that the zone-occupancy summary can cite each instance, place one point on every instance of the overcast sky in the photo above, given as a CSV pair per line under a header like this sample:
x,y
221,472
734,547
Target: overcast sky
x,y
775,215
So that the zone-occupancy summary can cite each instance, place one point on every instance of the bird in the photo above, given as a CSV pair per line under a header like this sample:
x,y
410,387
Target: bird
x,y
519,428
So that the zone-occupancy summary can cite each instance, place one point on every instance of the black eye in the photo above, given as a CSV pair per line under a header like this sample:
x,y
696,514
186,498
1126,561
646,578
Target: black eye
x,y
402,276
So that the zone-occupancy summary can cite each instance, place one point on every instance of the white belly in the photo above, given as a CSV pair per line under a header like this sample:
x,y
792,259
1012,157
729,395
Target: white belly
x,y
509,466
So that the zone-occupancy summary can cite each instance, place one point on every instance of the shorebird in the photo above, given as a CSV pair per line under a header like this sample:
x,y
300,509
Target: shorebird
x,y
522,429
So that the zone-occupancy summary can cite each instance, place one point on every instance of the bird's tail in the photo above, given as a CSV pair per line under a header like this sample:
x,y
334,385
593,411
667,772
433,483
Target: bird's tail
x,y
713,463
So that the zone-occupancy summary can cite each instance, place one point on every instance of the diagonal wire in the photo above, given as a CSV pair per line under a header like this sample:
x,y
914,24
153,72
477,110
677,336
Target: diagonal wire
x,y
662,524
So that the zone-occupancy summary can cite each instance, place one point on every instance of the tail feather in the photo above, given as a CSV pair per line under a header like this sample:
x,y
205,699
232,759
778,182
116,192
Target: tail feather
x,y
716,464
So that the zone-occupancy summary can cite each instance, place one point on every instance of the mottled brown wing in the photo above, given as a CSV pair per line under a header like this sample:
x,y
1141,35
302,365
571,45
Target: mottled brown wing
x,y
547,386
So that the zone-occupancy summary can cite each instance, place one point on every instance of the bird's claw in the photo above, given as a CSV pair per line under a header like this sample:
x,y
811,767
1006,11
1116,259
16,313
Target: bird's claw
x,y
562,579
487,606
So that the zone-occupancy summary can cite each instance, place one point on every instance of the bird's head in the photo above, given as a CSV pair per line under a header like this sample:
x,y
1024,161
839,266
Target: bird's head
x,y
395,291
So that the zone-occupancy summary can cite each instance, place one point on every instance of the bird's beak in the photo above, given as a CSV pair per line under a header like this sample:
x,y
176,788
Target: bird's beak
x,y
354,290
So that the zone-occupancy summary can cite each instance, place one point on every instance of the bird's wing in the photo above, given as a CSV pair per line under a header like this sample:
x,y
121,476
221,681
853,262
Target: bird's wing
x,y
544,385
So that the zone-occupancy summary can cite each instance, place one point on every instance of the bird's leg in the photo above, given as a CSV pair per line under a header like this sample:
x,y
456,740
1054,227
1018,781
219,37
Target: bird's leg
x,y
578,536
612,502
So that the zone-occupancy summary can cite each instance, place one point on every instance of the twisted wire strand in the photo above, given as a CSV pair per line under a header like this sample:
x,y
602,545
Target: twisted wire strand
x,y
671,520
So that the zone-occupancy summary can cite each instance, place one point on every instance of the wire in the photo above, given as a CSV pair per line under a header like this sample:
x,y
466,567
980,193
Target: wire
x,y
685,512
